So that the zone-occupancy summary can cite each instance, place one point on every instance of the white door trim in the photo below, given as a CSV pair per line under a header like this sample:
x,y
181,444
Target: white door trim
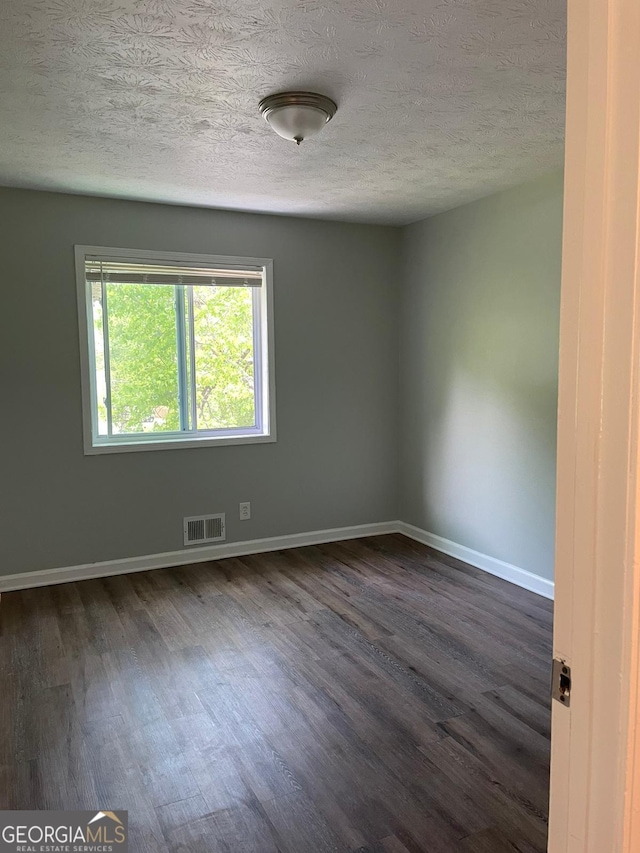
x,y
594,781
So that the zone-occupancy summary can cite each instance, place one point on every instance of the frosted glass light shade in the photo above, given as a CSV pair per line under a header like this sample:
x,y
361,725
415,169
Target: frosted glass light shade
x,y
297,115
297,123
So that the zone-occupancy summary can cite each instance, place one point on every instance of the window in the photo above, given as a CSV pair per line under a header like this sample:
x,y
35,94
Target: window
x,y
176,349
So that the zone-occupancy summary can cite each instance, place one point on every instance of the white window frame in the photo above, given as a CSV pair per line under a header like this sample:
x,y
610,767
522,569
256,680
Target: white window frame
x,y
264,354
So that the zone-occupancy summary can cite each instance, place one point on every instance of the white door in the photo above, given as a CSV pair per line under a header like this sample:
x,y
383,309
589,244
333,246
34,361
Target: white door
x,y
595,764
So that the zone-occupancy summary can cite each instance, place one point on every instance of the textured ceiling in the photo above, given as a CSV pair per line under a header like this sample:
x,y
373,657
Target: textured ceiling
x,y
440,101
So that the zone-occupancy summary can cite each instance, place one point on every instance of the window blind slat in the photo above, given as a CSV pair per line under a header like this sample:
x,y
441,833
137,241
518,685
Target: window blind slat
x,y
127,273
200,280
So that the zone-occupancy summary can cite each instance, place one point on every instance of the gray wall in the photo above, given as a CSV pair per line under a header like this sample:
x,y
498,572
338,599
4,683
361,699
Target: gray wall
x,y
472,295
478,374
336,370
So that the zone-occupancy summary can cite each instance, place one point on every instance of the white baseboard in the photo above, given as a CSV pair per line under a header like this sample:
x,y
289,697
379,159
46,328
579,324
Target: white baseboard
x,y
506,571
47,577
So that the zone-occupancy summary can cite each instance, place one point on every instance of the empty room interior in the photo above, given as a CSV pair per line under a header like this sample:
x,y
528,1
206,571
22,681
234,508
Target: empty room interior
x,y
279,367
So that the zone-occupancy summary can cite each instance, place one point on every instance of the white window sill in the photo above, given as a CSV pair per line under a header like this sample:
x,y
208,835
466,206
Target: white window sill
x,y
175,443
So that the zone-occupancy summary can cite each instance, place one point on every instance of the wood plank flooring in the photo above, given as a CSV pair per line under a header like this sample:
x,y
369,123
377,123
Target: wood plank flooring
x,y
369,696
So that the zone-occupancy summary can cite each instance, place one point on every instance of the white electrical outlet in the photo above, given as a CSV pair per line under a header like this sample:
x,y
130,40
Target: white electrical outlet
x,y
245,511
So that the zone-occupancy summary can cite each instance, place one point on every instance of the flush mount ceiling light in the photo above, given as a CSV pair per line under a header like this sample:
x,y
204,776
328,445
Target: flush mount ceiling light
x,y
297,115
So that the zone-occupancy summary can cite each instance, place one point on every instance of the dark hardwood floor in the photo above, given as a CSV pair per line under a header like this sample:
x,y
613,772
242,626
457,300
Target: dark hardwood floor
x,y
369,696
